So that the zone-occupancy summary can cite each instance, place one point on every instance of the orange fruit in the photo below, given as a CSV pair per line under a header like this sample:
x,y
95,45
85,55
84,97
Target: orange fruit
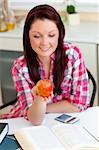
x,y
44,88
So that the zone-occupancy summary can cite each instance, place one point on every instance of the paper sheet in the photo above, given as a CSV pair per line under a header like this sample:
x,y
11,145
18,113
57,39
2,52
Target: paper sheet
x,y
16,123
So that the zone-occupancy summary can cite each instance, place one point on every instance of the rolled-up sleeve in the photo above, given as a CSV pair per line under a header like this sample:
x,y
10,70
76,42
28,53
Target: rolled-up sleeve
x,y
23,89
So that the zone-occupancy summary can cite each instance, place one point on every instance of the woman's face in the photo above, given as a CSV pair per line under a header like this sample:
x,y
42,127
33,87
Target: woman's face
x,y
44,36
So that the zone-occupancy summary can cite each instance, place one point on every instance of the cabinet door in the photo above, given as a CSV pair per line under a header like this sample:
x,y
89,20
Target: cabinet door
x,y
7,89
0,95
89,52
98,71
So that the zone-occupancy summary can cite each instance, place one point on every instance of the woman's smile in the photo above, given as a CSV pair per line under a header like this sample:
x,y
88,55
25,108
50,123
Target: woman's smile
x,y
45,49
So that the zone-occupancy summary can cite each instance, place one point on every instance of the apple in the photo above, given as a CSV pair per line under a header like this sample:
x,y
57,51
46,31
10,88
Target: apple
x,y
44,88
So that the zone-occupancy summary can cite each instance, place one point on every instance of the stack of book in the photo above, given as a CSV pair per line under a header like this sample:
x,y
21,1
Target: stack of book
x,y
3,131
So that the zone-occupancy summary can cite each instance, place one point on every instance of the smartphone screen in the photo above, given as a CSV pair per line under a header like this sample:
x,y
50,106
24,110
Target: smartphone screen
x,y
66,118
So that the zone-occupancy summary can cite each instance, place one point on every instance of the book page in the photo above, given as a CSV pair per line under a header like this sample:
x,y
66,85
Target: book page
x,y
73,137
38,138
16,123
90,120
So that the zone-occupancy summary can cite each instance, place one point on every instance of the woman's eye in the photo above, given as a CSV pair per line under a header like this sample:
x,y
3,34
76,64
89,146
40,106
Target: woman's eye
x,y
51,35
36,36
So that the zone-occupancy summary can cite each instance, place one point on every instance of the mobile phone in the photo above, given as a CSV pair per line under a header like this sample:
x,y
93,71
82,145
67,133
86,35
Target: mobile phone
x,y
67,118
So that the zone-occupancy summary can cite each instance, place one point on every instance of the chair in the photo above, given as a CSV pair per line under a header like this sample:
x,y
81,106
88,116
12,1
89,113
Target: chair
x,y
94,87
9,103
7,107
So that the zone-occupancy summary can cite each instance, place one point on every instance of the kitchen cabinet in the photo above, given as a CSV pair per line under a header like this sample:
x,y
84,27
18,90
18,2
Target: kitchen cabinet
x,y
0,95
7,89
90,53
98,70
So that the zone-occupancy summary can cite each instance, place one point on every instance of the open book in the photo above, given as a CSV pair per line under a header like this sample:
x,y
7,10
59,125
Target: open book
x,y
59,137
91,124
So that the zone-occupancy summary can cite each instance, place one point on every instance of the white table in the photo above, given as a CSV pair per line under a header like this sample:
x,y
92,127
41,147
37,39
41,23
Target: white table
x,y
88,118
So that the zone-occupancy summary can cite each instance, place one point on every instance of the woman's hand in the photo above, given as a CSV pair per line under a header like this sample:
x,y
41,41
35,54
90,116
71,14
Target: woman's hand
x,y
37,111
43,93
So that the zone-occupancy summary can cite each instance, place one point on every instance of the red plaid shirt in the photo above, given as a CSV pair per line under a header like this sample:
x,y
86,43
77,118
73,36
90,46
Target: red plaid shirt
x,y
75,78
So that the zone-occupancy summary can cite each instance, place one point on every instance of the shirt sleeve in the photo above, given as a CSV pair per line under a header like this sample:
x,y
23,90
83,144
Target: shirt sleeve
x,y
24,95
80,86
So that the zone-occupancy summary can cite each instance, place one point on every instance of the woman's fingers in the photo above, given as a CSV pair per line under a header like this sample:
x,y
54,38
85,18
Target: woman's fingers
x,y
34,90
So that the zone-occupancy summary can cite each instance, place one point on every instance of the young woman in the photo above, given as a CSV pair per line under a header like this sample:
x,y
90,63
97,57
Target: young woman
x,y
46,56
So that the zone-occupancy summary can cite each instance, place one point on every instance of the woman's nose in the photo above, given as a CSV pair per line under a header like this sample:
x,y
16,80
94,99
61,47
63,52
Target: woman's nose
x,y
44,41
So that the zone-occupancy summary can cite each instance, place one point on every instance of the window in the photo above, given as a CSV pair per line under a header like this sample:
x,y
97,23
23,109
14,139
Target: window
x,y
87,5
82,5
27,4
88,1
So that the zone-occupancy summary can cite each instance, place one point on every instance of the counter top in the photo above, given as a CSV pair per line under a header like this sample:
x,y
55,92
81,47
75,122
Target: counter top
x,y
85,32
16,33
